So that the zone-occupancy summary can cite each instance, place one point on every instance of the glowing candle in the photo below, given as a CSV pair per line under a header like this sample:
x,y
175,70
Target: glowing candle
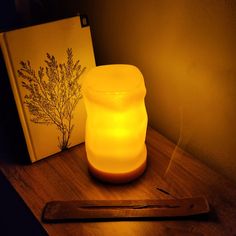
x,y
116,122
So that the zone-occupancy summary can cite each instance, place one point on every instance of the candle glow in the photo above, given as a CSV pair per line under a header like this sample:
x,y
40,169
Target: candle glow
x,y
116,122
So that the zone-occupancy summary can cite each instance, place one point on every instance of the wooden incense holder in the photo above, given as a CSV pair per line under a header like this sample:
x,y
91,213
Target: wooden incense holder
x,y
97,210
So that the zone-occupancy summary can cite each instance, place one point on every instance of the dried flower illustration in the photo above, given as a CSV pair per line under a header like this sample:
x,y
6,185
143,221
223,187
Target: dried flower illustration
x,y
53,92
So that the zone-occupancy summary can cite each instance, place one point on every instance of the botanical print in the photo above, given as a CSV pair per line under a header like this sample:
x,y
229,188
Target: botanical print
x,y
53,91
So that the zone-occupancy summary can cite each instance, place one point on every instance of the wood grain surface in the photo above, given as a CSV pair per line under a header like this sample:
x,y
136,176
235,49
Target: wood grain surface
x,y
65,177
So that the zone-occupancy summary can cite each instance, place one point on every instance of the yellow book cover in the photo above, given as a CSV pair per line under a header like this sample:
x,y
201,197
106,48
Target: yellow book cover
x,y
46,64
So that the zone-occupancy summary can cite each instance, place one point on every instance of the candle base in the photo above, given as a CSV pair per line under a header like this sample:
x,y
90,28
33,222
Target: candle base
x,y
117,178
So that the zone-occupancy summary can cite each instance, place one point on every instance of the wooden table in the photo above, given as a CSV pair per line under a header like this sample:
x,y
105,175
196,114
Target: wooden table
x,y
65,177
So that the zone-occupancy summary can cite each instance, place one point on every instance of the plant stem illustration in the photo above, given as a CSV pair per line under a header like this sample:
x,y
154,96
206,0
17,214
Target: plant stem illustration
x,y
53,91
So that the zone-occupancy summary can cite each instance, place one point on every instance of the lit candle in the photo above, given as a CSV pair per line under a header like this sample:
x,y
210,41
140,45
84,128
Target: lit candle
x,y
116,122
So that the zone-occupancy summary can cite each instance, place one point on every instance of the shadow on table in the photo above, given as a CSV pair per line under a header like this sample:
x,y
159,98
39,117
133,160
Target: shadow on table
x,y
15,216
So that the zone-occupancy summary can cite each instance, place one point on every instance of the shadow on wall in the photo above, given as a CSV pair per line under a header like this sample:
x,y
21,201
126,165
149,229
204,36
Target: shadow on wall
x,y
19,13
186,51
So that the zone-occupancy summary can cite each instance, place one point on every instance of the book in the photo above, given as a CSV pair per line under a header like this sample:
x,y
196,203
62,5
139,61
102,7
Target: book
x,y
46,65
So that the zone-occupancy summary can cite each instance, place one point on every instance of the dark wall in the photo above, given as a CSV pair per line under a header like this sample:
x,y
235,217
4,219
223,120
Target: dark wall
x,y
18,13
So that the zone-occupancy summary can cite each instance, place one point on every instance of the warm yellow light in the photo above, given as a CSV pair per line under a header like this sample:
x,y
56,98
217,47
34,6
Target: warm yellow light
x,y
116,122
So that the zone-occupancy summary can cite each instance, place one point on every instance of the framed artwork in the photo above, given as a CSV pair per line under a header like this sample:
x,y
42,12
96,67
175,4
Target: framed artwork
x,y
46,64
